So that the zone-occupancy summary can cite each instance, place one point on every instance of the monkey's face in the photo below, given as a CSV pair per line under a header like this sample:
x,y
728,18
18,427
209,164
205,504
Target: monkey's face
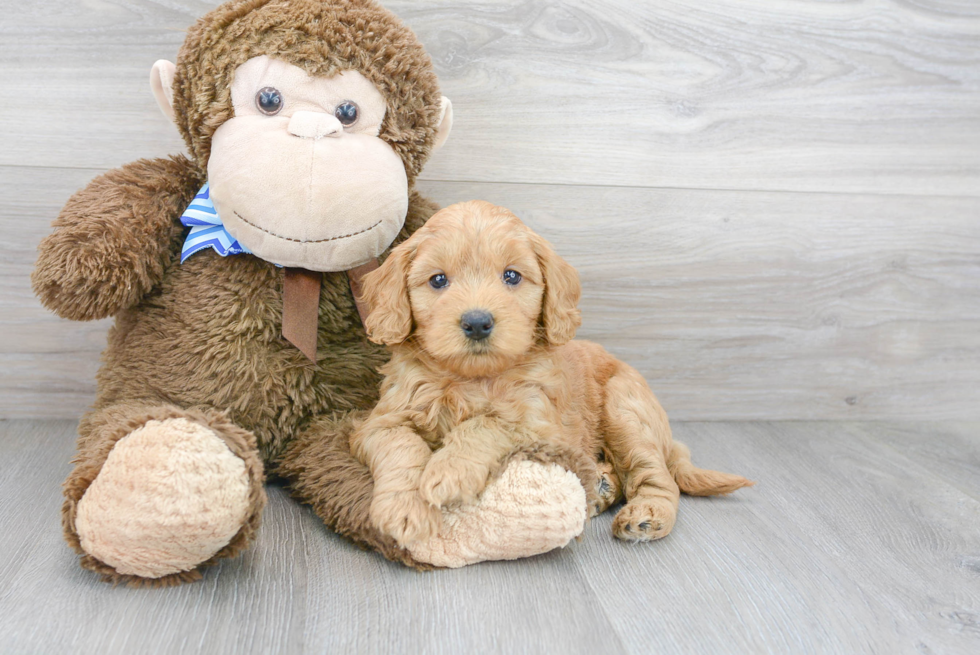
x,y
299,175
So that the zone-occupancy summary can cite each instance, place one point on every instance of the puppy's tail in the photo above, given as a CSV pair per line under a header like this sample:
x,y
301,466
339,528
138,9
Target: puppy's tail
x,y
700,482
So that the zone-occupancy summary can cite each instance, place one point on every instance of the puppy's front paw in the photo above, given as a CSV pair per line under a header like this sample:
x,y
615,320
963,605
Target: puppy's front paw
x,y
405,516
644,519
448,480
608,490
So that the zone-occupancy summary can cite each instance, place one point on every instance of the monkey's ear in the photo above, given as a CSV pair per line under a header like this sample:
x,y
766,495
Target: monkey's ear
x,y
560,315
445,123
385,291
162,83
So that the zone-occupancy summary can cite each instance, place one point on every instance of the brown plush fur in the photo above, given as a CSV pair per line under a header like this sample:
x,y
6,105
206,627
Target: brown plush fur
x,y
202,339
452,407
322,38
207,332
115,239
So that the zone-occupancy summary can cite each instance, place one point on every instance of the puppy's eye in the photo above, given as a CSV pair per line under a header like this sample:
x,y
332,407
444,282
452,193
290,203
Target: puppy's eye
x,y
269,101
346,113
512,277
439,281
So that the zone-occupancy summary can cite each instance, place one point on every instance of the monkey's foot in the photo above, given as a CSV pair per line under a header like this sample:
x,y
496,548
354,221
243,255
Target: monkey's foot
x,y
170,495
530,508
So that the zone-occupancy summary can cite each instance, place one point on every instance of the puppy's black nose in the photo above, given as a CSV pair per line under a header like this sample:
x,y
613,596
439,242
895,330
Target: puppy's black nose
x,y
477,324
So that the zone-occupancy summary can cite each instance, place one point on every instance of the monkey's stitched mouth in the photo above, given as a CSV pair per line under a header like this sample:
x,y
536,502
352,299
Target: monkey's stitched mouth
x,y
285,238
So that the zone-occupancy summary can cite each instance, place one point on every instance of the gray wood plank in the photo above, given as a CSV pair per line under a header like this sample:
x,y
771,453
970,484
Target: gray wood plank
x,y
846,545
745,305
299,589
49,605
951,451
858,97
735,305
530,606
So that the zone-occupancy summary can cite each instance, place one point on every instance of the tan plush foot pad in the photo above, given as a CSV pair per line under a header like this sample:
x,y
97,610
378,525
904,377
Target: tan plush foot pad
x,y
530,509
169,496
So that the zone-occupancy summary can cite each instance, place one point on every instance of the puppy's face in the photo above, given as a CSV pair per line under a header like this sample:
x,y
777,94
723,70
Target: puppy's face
x,y
475,289
478,288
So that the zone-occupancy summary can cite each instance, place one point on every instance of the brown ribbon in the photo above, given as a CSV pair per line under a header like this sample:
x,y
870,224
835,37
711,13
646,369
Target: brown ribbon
x,y
354,276
301,304
301,308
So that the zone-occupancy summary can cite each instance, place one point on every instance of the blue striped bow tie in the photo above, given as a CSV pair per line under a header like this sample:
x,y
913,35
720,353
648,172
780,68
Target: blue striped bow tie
x,y
207,230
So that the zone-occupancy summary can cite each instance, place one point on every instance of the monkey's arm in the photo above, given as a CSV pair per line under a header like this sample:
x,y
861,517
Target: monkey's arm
x,y
114,238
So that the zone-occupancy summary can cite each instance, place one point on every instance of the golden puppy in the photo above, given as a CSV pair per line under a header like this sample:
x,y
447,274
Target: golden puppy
x,y
479,313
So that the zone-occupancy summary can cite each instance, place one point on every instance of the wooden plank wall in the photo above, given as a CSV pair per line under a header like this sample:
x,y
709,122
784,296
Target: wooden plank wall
x,y
774,204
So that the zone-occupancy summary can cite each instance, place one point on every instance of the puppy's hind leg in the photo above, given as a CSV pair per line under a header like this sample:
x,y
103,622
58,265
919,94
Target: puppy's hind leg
x,y
638,435
608,490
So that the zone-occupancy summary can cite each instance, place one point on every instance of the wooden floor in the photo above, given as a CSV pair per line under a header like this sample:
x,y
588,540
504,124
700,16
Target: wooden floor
x,y
859,538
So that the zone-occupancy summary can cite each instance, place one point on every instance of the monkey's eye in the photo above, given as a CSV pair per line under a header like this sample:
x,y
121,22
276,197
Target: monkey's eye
x,y
439,281
512,277
269,101
346,113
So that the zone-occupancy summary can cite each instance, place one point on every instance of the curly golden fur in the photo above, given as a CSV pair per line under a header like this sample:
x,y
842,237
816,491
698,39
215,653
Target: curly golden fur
x,y
453,405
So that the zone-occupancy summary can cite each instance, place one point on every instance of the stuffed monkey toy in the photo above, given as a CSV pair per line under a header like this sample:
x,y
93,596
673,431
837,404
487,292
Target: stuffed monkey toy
x,y
238,351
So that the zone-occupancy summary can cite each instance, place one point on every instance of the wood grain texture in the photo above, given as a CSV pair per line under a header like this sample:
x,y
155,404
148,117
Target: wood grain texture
x,y
846,545
662,147
849,543
951,452
773,305
731,94
299,589
734,305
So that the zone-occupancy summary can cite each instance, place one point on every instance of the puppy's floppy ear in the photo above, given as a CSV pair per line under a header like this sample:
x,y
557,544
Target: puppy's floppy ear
x,y
560,315
385,290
